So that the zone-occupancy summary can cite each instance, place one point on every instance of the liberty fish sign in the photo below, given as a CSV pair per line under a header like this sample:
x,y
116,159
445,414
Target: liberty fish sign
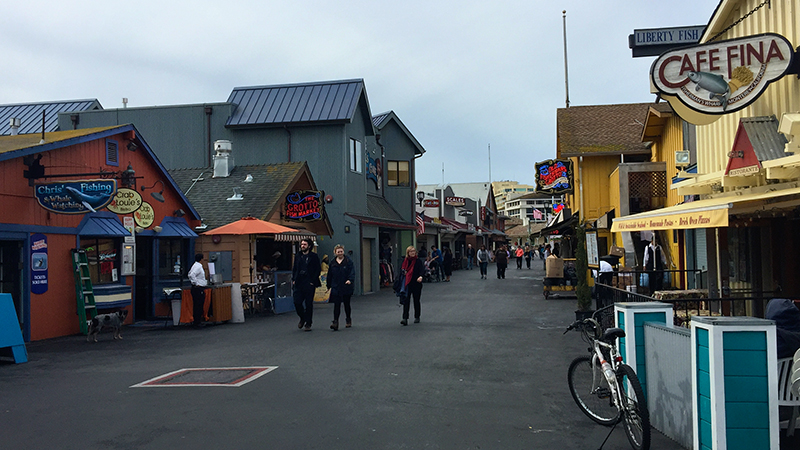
x,y
725,76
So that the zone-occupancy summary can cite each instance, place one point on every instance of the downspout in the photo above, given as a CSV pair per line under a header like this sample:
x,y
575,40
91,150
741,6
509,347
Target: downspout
x,y
383,162
580,175
209,110
289,150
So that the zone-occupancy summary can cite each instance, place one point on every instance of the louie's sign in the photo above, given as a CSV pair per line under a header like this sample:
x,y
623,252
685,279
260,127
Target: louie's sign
x,y
725,76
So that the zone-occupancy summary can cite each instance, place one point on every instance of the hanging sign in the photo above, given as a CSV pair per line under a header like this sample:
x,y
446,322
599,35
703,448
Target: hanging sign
x,y
430,203
144,216
125,202
554,176
722,77
454,201
38,264
75,197
374,171
304,206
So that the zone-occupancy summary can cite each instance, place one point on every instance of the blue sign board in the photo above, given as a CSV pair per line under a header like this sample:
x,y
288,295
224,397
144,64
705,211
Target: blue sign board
x,y
76,197
38,264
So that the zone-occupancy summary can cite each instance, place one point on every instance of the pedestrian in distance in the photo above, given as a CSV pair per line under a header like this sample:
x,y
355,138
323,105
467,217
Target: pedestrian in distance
x,y
528,255
412,271
519,254
470,256
197,276
341,284
305,279
436,262
483,261
501,259
654,263
546,255
447,263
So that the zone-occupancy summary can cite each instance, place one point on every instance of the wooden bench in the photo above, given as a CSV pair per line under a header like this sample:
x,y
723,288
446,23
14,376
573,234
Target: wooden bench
x,y
789,389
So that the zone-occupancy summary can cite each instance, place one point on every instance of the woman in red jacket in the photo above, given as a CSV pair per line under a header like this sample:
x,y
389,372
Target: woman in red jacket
x,y
413,270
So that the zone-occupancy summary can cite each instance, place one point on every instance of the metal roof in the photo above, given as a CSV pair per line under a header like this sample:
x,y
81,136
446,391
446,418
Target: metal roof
x,y
326,101
381,120
762,131
30,114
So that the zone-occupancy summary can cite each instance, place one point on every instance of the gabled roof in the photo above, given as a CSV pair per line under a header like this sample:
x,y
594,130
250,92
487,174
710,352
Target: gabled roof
x,y
30,114
381,120
767,142
601,129
657,116
260,197
305,103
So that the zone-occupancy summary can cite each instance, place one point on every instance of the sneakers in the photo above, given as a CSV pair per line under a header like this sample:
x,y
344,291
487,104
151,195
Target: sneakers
x,y
404,322
307,327
300,325
416,320
335,325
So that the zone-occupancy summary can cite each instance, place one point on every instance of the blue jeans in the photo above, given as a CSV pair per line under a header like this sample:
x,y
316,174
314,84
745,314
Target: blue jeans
x,y
469,262
484,267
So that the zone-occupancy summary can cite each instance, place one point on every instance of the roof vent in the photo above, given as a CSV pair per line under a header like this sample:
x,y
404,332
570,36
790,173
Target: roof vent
x,y
248,178
223,159
14,123
237,194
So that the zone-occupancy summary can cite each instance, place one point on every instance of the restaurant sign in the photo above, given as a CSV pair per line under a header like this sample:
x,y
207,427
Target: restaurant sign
x,y
722,77
430,203
710,218
554,176
454,201
304,206
75,197
125,202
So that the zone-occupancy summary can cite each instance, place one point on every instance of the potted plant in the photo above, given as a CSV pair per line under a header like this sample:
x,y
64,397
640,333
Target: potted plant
x,y
583,291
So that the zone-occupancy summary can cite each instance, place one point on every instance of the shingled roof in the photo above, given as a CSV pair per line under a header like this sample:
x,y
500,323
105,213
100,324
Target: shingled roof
x,y
602,129
260,197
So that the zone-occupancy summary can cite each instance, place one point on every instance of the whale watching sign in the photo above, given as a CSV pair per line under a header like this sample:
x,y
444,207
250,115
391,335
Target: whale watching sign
x,y
722,76
76,197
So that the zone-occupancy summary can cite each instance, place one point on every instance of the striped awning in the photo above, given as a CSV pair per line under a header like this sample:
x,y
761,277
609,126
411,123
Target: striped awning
x,y
294,237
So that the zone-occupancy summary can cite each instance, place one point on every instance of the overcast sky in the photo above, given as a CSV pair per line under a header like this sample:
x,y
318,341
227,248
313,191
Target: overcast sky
x,y
462,75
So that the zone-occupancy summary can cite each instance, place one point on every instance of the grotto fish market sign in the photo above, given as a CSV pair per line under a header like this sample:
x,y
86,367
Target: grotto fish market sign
x,y
725,76
75,197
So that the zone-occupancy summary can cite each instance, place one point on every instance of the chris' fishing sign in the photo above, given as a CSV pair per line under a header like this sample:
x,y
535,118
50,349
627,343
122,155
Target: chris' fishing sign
x,y
722,76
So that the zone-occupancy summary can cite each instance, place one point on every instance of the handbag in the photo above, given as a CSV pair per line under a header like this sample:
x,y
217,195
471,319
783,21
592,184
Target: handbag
x,y
399,283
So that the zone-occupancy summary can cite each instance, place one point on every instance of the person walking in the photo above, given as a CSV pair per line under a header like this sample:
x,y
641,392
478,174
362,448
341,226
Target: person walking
x,y
501,258
412,270
470,256
519,254
528,255
654,263
340,284
483,261
305,279
436,262
546,255
197,276
447,263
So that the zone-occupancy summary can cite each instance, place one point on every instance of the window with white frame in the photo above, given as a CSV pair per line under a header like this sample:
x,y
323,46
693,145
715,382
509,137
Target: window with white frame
x,y
356,155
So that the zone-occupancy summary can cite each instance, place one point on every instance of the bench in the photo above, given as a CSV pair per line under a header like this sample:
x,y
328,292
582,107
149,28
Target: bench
x,y
788,389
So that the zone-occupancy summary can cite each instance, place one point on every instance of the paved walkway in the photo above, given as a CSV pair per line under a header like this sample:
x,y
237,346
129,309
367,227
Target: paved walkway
x,y
485,369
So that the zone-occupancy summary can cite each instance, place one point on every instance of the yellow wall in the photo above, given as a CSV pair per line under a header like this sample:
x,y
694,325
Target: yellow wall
x,y
596,198
715,141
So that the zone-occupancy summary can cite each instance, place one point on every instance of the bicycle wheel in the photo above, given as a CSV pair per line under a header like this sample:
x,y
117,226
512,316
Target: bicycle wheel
x,y
635,416
594,401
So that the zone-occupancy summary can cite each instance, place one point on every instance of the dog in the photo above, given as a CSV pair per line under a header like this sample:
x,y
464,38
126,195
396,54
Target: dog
x,y
113,320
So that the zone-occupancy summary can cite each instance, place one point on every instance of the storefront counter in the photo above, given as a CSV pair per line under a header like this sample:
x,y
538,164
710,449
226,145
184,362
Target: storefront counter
x,y
217,307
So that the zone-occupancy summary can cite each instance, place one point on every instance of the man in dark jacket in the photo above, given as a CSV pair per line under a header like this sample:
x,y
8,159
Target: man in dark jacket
x,y
305,279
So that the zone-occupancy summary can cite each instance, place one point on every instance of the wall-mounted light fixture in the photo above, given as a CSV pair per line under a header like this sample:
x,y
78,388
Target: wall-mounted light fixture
x,y
157,229
127,178
132,146
178,213
347,228
156,195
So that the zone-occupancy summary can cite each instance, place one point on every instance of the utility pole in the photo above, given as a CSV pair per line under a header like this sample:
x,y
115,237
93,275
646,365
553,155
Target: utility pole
x,y
566,74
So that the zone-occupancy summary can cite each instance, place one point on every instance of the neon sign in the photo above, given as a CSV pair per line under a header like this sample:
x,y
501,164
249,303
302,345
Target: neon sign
x,y
554,176
304,206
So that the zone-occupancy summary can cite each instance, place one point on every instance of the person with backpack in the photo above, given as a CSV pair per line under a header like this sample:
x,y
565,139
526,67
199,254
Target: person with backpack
x,y
483,261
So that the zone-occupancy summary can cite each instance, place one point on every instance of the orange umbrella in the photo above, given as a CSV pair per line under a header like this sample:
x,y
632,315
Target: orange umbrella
x,y
250,225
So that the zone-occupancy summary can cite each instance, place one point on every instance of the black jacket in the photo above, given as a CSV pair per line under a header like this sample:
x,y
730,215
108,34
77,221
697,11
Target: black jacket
x,y
305,273
417,271
338,274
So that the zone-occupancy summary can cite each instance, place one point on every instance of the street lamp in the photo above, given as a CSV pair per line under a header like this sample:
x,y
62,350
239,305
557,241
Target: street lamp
x,y
420,197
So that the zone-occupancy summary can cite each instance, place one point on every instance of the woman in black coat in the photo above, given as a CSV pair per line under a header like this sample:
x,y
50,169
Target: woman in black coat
x,y
341,283
448,263
413,269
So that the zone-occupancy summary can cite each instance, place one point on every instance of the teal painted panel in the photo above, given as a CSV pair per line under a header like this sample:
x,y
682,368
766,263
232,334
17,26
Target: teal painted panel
x,y
744,340
640,318
704,447
747,439
702,337
640,355
704,407
621,320
702,359
745,363
746,415
746,389
703,383
705,437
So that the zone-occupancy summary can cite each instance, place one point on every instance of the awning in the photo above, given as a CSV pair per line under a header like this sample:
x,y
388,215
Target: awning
x,y
708,213
102,224
560,228
295,237
176,227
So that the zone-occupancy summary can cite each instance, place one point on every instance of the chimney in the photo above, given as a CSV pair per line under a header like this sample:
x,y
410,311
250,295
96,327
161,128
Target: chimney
x,y
14,122
223,159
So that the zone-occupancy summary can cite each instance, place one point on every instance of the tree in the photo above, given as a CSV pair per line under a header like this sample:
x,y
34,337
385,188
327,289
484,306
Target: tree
x,y
583,291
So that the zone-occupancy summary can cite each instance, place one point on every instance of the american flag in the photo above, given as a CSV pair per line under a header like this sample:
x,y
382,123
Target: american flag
x,y
537,214
420,224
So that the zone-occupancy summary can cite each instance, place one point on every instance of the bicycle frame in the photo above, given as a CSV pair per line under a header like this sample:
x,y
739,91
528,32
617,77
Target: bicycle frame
x,y
616,359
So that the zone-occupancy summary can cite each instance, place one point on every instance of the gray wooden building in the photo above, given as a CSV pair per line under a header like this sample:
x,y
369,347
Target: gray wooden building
x,y
365,165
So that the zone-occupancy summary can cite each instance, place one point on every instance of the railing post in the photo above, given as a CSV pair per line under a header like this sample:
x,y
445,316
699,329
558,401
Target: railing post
x,y
631,318
734,383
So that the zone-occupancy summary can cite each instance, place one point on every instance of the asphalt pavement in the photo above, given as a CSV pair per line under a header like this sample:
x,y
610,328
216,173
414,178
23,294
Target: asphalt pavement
x,y
485,369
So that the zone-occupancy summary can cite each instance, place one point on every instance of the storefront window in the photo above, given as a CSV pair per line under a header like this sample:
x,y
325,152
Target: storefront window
x,y
397,173
103,258
170,262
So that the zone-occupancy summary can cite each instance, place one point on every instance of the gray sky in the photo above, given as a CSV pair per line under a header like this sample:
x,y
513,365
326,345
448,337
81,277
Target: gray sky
x,y
460,74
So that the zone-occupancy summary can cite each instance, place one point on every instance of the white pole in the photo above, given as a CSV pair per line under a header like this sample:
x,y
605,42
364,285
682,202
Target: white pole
x,y
566,74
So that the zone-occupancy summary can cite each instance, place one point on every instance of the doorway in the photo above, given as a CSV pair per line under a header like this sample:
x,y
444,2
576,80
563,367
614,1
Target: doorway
x,y
144,279
11,276
366,265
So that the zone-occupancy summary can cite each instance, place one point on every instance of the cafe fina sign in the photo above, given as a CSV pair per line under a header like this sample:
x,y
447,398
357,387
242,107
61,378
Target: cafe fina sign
x,y
722,77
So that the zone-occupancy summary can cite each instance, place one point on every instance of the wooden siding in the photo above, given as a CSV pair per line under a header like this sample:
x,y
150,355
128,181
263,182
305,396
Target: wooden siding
x,y
705,437
714,141
746,389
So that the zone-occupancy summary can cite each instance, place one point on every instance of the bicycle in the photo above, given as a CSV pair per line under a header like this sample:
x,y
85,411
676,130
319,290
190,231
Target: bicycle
x,y
606,389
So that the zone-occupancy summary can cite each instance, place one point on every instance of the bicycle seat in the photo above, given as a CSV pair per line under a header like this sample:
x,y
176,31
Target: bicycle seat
x,y
611,334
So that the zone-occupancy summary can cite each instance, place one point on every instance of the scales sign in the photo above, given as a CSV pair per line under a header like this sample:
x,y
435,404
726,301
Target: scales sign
x,y
725,76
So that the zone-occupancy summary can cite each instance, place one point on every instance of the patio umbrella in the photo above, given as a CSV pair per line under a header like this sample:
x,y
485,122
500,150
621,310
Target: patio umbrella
x,y
250,225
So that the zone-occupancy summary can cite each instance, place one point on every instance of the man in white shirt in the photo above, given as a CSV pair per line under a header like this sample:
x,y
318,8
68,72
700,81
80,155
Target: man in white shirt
x,y
197,276
654,263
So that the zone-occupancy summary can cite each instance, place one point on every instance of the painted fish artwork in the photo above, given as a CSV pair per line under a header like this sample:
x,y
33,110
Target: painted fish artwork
x,y
714,84
90,201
